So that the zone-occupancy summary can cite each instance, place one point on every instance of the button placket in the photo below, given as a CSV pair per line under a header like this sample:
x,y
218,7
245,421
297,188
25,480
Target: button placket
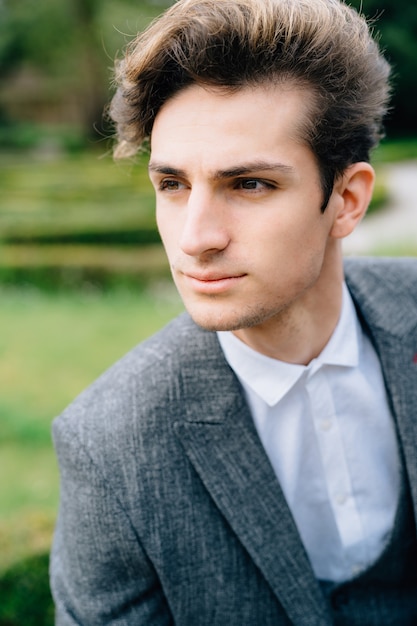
x,y
333,458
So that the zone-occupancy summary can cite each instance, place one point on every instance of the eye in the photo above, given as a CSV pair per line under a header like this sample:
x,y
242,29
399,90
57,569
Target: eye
x,y
170,184
253,184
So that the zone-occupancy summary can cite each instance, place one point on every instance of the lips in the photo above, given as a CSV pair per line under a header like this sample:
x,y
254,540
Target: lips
x,y
208,278
211,282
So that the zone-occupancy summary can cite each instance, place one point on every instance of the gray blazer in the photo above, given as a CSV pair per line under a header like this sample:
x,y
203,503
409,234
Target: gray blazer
x,y
170,512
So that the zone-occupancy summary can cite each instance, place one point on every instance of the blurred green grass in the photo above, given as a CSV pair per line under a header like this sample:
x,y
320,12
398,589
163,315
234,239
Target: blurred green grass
x,y
28,500
54,346
56,343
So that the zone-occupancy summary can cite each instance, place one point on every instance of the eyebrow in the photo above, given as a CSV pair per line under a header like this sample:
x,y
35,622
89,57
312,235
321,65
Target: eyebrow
x,y
238,170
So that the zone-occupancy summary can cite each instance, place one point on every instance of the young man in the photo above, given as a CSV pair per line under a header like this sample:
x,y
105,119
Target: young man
x,y
255,462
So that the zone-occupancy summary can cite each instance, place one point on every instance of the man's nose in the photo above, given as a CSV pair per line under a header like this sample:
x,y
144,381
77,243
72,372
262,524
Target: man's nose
x,y
205,224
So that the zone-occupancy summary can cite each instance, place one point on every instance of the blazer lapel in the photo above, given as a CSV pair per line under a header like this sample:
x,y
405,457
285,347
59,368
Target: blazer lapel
x,y
398,360
386,304
221,442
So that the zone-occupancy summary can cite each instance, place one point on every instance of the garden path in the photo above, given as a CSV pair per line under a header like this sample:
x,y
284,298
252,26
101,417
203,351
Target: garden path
x,y
395,226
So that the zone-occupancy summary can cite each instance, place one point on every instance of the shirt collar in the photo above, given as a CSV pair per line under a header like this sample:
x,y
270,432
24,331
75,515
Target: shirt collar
x,y
271,379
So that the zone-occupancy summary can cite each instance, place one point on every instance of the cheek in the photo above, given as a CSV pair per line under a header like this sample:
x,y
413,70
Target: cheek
x,y
167,228
282,232
296,248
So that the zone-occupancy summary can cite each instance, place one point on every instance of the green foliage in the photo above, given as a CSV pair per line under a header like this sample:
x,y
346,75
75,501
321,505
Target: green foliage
x,y
396,22
25,595
395,150
67,48
389,151
31,30
19,137
72,44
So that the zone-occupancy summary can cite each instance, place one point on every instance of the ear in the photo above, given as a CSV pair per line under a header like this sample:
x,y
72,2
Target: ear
x,y
352,194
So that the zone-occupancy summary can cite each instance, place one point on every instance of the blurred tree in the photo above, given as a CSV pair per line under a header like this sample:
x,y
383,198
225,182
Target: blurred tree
x,y
396,21
91,62
49,52
32,31
56,55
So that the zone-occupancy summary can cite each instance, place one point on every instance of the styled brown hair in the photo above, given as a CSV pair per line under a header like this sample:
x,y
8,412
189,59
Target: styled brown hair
x,y
322,45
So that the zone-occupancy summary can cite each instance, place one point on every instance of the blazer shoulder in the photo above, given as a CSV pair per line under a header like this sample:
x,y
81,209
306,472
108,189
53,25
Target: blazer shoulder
x,y
142,384
385,290
396,273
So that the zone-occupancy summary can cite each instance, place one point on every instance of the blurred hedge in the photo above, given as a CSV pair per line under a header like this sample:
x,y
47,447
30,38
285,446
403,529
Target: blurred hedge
x,y
71,266
69,220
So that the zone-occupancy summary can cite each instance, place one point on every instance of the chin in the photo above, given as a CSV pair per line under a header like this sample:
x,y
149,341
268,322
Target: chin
x,y
215,320
212,324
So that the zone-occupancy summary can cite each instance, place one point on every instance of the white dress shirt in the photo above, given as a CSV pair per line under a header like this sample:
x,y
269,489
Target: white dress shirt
x,y
328,432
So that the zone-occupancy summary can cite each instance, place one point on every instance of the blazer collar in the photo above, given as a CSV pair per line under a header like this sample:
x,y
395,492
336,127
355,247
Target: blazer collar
x,y
220,440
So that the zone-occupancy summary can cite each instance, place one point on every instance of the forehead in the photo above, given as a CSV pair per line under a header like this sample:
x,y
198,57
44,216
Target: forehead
x,y
209,124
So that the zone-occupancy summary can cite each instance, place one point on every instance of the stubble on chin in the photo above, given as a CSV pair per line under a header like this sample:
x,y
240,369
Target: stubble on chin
x,y
232,320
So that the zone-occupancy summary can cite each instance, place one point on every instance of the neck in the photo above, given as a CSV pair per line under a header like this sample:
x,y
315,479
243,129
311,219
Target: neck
x,y
299,333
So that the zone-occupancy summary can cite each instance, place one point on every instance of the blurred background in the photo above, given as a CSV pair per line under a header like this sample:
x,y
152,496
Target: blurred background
x,y
83,277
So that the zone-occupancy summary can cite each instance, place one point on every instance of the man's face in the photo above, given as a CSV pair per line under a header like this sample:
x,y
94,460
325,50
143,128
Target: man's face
x,y
238,201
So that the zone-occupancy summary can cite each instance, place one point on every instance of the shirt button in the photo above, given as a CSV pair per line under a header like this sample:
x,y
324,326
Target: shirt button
x,y
326,424
357,569
341,498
